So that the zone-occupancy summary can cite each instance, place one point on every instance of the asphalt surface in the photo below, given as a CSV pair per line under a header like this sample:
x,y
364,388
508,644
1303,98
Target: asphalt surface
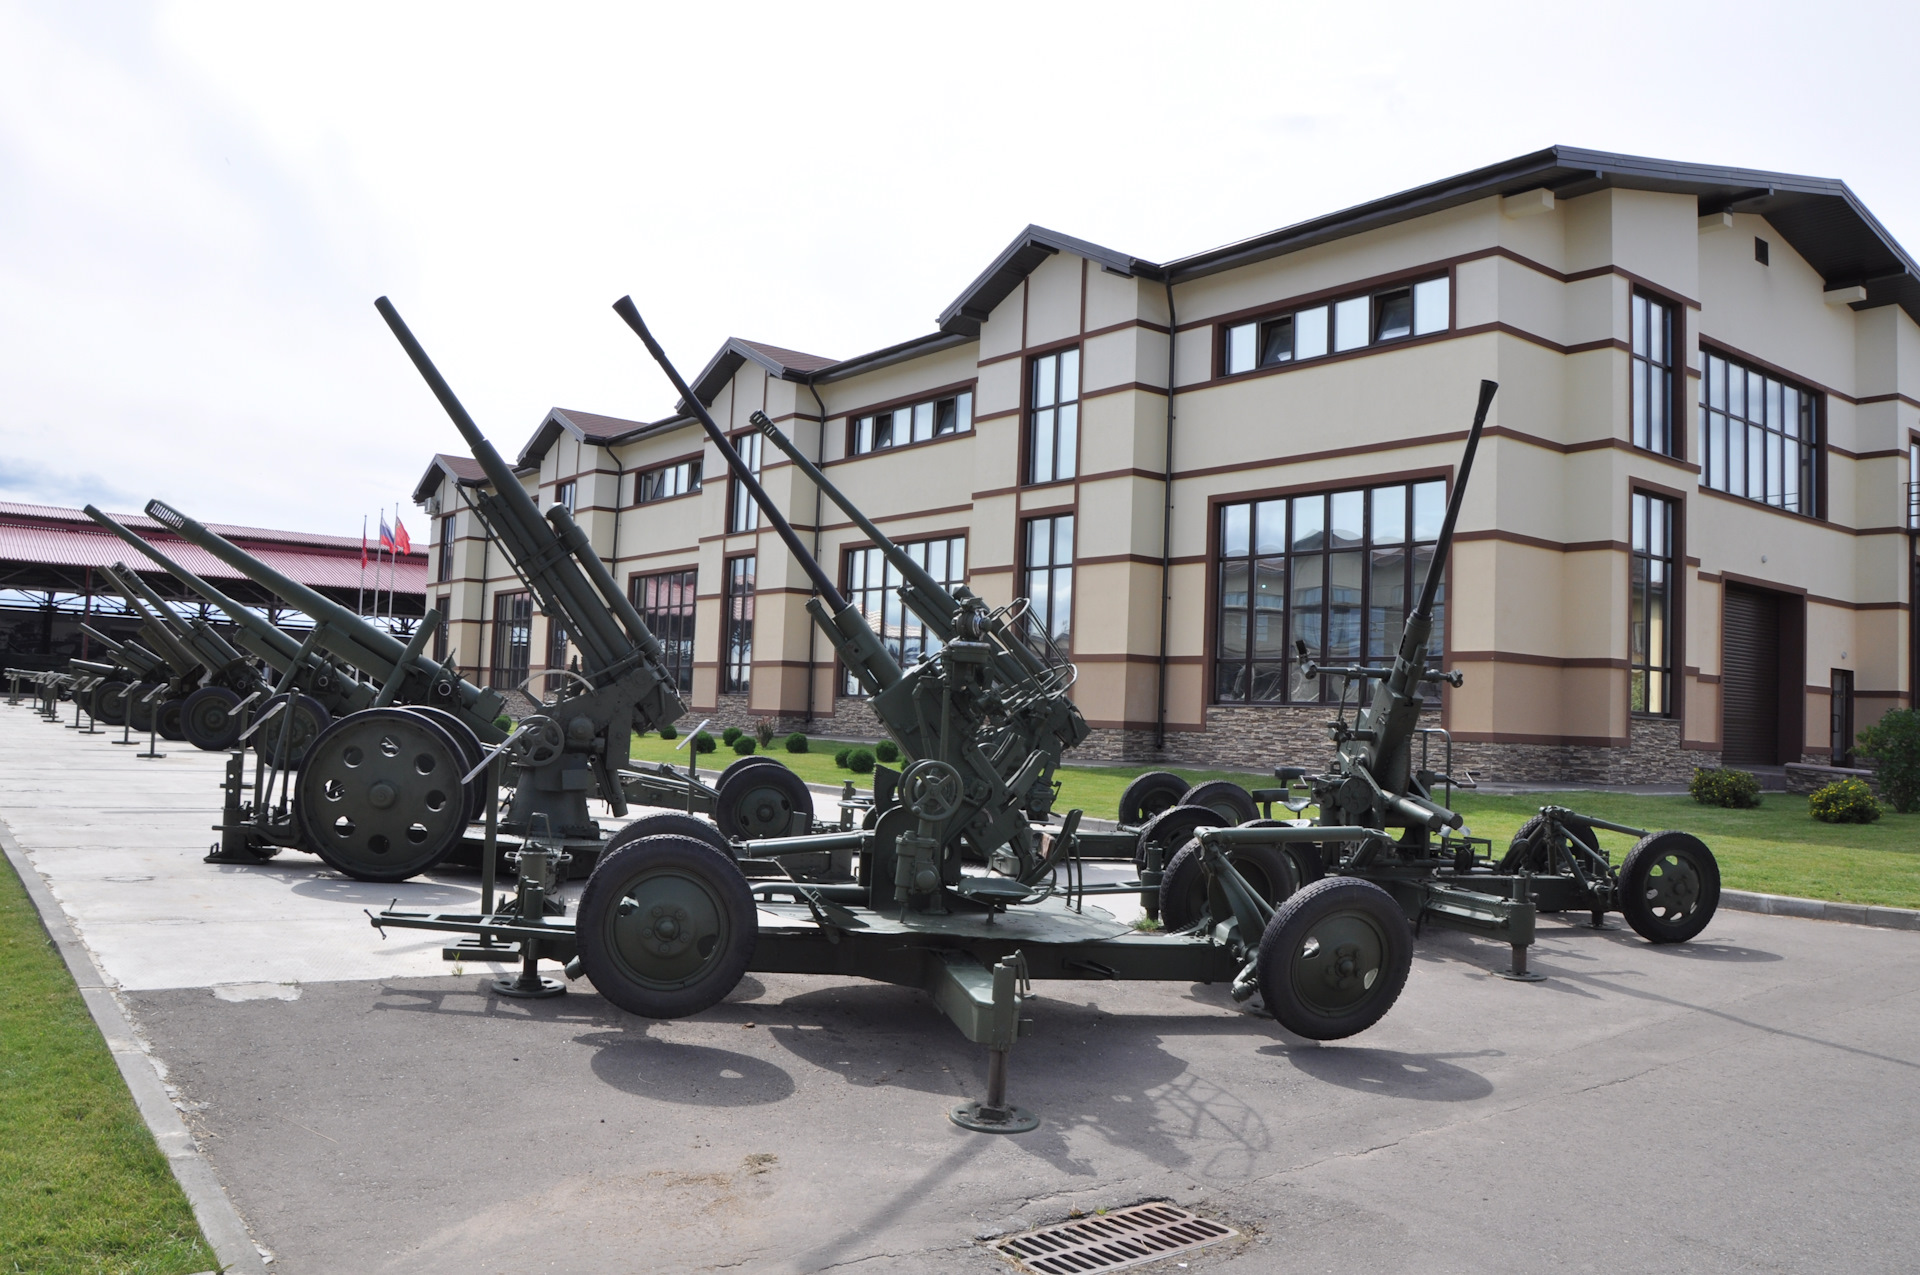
x,y
1746,1102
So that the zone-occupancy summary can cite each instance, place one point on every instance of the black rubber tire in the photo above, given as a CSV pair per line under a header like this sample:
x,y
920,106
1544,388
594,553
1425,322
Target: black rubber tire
x,y
1535,859
742,763
1173,828
1303,948
423,817
110,703
759,801
1234,803
1183,890
1669,887
208,719
168,720
626,953
1149,794
140,709
313,718
470,746
668,823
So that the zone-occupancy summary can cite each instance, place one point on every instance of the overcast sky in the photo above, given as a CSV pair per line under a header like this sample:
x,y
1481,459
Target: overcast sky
x,y
199,202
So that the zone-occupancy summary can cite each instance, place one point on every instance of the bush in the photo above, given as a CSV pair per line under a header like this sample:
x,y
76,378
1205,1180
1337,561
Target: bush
x,y
1734,789
703,743
860,761
503,722
668,732
843,758
763,731
1893,743
796,743
745,745
730,734
1844,801
886,750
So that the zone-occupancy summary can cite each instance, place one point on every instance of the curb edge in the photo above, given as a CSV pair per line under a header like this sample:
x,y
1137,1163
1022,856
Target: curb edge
x,y
1820,910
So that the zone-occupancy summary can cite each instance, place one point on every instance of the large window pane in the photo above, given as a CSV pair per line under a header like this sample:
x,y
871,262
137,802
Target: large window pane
x,y
1310,333
1430,307
1240,347
1350,323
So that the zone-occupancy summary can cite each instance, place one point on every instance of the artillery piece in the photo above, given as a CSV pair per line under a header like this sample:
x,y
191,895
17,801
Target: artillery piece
x,y
1411,859
669,922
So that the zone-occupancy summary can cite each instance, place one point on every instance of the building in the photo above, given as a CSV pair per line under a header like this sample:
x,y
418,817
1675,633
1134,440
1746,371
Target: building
x,y
50,583
1690,534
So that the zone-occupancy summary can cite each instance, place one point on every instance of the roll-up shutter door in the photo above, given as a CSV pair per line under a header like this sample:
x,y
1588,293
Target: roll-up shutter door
x,y
1750,678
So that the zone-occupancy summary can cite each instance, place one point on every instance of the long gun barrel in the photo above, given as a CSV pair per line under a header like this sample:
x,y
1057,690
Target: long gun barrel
x,y
206,643
516,520
159,629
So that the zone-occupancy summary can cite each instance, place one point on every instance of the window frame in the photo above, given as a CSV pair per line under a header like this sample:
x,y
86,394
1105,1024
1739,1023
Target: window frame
x,y
1675,370
1031,409
929,399
1054,570
691,481
566,492
846,685
1264,320
504,627
1674,570
736,658
448,534
677,637
743,512
1814,476
442,632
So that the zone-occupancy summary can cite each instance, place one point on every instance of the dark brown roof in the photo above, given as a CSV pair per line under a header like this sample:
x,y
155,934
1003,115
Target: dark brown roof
x,y
791,359
463,469
593,425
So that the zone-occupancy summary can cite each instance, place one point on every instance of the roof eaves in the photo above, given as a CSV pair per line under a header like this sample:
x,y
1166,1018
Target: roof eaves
x,y
931,343
1029,248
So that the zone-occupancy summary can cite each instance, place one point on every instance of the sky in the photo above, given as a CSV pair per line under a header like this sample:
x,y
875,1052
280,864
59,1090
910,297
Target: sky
x,y
200,201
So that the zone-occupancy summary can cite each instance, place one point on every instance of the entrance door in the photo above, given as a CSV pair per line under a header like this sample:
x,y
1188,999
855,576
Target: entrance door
x,y
1750,678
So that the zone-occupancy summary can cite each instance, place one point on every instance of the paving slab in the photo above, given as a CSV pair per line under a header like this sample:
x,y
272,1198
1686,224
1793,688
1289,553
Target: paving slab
x,y
1746,1102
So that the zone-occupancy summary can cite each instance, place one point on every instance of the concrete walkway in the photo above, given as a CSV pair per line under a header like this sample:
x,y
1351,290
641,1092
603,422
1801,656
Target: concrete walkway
x,y
1746,1102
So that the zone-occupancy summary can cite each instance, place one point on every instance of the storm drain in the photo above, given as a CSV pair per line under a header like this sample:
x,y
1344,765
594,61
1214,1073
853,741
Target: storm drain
x,y
1111,1241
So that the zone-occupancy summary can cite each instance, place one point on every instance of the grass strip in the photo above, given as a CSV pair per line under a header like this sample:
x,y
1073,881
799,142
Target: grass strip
x,y
84,1189
1777,848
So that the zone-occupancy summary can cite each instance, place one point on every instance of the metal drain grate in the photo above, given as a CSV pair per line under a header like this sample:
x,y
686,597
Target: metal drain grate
x,y
1111,1241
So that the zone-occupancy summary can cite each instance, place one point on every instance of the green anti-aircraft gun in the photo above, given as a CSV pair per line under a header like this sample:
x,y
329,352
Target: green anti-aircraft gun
x,y
1414,849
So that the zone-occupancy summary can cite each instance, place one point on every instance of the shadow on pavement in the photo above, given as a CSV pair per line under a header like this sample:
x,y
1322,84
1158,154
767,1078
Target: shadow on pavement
x,y
666,1071
1389,1072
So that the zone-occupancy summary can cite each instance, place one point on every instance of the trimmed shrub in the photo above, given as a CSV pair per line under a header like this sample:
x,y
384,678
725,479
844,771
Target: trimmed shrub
x,y
1844,801
1893,743
796,743
704,743
1734,789
668,732
503,722
886,750
860,761
843,758
763,731
730,734
745,745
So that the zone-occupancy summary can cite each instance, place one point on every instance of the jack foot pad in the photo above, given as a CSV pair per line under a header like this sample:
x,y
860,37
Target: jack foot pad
x,y
520,987
1521,976
981,1118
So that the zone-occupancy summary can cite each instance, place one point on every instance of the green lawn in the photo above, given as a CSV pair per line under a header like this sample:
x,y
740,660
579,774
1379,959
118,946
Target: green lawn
x,y
1776,849
83,1188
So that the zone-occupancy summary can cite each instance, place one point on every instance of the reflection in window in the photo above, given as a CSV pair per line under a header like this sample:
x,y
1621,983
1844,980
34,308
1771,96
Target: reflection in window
x,y
665,604
1650,605
1053,427
1759,436
742,513
1047,578
873,586
1653,375
736,654
1336,570
1350,324
878,431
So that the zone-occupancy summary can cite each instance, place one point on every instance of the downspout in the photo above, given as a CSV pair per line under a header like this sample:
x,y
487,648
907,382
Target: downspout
x,y
820,459
1166,529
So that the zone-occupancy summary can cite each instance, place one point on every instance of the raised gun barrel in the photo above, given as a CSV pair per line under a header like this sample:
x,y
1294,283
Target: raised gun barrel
x,y
159,636
213,650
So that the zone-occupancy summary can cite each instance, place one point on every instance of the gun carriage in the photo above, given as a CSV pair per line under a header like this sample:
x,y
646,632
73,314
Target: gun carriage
x,y
669,921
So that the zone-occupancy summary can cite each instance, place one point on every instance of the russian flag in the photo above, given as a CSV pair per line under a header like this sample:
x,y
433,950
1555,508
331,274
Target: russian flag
x,y
386,535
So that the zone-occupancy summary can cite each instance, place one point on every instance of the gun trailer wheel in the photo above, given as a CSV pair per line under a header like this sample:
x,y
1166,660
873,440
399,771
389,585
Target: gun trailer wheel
x,y
309,717
109,703
1184,894
666,926
760,801
1148,795
379,794
1334,958
1669,887
208,719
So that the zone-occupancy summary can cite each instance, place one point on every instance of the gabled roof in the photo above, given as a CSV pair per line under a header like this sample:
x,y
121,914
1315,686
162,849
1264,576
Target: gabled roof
x,y
587,427
1029,248
788,365
462,469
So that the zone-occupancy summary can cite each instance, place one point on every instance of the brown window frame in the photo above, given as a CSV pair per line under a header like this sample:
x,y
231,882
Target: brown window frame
x,y
1265,324
736,657
500,675
673,623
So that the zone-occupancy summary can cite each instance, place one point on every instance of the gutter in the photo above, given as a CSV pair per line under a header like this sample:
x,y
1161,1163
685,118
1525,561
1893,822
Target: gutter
x,y
820,460
1166,529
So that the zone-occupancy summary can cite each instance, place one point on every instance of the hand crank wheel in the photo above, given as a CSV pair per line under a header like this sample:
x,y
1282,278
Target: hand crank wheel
x,y
932,789
666,926
379,795
1334,958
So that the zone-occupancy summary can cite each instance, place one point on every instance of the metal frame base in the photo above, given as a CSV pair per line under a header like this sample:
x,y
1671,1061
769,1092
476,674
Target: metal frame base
x,y
981,1118
529,988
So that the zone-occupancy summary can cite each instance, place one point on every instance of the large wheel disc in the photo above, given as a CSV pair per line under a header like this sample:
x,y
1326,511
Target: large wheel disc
x,y
470,747
1669,887
1149,794
379,796
760,801
140,709
1184,894
296,726
208,719
110,703
666,926
1334,958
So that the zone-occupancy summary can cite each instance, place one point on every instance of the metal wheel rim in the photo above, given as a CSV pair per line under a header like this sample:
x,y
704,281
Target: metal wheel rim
x,y
1672,886
209,717
383,791
300,736
669,929
762,811
1337,963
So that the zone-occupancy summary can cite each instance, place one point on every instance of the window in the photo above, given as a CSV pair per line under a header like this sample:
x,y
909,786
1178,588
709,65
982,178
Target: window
x,y
736,654
1650,606
1652,360
742,513
873,586
665,603
1913,485
512,639
1047,580
556,644
446,549
563,494
1337,570
878,431
1053,427
1352,323
1840,718
1760,436
1760,253
444,606
666,482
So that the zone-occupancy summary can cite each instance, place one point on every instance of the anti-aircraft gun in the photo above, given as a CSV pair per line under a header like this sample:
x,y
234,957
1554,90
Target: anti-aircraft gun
x,y
1415,847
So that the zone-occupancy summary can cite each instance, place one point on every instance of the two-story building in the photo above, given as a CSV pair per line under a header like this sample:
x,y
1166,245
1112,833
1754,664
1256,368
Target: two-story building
x,y
1690,533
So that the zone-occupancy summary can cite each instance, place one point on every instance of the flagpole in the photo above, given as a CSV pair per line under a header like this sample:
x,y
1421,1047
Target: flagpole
x,y
360,595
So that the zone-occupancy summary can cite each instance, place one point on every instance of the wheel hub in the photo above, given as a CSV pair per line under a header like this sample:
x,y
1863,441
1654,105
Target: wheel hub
x,y
667,928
